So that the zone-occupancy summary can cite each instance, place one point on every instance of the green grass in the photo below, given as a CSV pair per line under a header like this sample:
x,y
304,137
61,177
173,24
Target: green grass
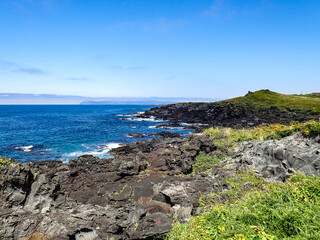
x,y
261,100
278,211
265,99
238,185
204,163
260,133
5,161
252,208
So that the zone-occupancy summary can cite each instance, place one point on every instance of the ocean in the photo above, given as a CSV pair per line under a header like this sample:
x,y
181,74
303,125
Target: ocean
x,y
64,132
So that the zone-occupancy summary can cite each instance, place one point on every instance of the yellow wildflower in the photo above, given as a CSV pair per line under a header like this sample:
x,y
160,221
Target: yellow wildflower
x,y
221,229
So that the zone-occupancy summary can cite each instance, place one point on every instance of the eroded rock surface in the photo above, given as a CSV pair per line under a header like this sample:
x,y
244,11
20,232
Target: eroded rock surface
x,y
278,158
132,196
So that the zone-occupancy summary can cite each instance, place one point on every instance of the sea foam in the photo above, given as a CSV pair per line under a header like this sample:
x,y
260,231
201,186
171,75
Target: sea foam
x,y
25,148
99,151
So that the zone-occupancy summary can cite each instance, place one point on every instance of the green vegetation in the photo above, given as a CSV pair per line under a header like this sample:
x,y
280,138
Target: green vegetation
x,y
238,185
121,190
308,104
278,211
312,95
273,131
265,99
225,138
5,161
204,163
252,208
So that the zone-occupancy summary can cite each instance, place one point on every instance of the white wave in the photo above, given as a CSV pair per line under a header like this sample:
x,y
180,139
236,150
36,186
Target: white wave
x,y
165,127
134,127
125,115
130,115
25,148
101,150
113,145
150,119
168,127
194,124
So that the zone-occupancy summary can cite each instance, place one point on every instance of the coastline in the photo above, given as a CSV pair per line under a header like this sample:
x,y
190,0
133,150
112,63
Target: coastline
x,y
148,185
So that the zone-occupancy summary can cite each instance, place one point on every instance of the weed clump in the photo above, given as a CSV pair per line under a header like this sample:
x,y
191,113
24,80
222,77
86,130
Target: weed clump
x,y
204,163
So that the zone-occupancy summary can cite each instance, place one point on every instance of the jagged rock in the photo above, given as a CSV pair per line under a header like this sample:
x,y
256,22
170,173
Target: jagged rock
x,y
129,166
166,134
277,158
136,135
125,197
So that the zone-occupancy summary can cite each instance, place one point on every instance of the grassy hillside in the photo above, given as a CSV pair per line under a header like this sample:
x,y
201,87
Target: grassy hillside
x,y
265,99
253,109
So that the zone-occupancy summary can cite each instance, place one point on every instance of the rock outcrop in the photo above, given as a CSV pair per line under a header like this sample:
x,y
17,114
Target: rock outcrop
x,y
136,194
278,158
224,114
163,134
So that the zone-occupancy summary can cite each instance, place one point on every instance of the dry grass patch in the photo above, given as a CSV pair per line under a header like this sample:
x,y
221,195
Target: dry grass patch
x,y
37,236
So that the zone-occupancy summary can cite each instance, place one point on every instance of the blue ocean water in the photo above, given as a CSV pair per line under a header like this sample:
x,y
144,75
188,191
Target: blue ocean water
x,y
63,132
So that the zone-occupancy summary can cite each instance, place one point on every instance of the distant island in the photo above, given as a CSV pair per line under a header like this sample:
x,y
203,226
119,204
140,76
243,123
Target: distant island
x,y
51,99
145,100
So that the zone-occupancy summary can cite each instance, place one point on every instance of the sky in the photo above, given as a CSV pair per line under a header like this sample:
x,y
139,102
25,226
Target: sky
x,y
167,48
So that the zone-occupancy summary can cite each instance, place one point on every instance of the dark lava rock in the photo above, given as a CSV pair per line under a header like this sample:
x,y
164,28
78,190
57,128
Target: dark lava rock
x,y
136,135
225,114
166,134
169,125
131,196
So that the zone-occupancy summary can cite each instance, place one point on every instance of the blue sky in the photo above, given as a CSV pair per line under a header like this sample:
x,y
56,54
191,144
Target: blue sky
x,y
190,48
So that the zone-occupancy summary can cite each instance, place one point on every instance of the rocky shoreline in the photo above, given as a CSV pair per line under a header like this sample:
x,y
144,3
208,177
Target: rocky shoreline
x,y
138,193
224,114
148,185
253,109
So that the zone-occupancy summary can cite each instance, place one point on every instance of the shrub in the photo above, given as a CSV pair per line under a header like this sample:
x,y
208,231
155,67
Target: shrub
x,y
311,128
